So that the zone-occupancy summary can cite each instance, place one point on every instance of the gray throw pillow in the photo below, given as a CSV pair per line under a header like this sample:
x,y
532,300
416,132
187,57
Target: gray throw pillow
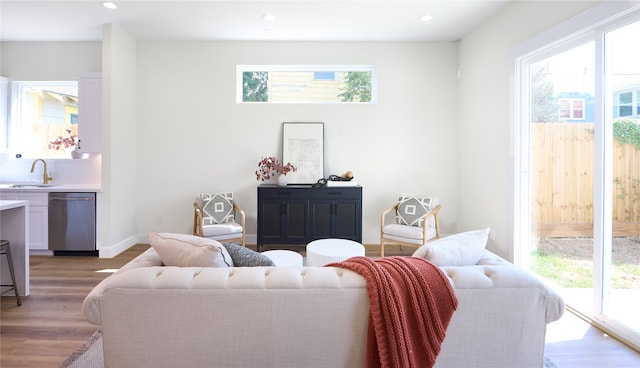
x,y
217,208
245,257
411,210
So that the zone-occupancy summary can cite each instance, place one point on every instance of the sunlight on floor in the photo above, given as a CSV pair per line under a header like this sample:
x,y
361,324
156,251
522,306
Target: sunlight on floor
x,y
107,270
572,328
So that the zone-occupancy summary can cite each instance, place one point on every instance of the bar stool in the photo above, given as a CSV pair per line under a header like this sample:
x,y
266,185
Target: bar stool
x,y
6,250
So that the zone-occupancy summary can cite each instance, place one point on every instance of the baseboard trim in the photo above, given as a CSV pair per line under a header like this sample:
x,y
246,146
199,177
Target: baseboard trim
x,y
114,250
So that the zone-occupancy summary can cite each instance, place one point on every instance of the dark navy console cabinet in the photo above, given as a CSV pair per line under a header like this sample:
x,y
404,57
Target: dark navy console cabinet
x,y
299,214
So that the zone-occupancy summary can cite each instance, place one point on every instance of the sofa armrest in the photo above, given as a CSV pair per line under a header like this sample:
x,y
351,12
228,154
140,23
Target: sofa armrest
x,y
499,274
91,304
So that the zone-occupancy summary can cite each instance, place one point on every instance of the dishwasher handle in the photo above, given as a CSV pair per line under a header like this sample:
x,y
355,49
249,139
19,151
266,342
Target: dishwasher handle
x,y
71,199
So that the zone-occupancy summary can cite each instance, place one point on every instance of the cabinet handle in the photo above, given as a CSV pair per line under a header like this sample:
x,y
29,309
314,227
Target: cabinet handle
x,y
70,199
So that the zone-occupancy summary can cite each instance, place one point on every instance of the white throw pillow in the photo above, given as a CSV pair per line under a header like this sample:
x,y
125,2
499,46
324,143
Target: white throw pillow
x,y
184,250
461,249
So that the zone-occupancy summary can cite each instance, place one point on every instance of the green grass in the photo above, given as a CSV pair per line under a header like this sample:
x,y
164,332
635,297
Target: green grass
x,y
577,273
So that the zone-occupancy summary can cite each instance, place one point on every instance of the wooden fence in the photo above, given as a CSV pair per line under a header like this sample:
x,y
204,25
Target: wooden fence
x,y
562,167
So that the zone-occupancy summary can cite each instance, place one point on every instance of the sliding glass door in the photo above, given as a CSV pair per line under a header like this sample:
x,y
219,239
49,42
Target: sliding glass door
x,y
618,299
580,192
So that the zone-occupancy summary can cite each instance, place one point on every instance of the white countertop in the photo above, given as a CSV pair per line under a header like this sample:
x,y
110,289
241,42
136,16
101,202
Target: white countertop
x,y
37,187
7,205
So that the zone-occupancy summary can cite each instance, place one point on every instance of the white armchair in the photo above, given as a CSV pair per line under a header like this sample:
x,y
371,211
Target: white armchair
x,y
415,222
217,216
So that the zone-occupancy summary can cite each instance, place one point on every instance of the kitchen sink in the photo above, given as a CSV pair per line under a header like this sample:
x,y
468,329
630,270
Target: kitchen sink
x,y
25,185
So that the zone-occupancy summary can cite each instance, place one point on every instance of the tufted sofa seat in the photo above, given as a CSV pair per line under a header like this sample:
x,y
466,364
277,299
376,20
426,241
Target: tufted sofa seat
x,y
159,316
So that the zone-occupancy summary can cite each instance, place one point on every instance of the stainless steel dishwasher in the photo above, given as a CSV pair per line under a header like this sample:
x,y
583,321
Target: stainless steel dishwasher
x,y
72,223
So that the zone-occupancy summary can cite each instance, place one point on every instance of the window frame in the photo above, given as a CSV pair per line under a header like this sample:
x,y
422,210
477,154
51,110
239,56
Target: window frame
x,y
240,69
14,142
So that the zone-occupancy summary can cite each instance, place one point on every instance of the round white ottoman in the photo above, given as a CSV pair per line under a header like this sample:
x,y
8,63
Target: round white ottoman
x,y
284,258
325,251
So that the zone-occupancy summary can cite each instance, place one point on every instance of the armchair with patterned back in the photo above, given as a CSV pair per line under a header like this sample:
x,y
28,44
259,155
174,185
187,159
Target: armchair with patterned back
x,y
415,220
217,216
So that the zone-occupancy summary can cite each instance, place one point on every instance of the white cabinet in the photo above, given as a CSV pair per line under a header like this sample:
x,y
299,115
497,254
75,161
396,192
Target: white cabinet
x,y
38,227
38,217
90,112
4,104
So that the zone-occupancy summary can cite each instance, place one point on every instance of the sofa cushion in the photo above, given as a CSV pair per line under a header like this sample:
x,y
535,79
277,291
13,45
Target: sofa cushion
x,y
184,250
461,249
245,257
229,228
217,208
411,210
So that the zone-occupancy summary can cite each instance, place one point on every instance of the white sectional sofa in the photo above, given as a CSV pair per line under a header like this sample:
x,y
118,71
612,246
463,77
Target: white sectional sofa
x,y
160,316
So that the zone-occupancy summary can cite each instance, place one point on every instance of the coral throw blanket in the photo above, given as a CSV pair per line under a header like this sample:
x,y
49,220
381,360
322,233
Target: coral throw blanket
x,y
411,304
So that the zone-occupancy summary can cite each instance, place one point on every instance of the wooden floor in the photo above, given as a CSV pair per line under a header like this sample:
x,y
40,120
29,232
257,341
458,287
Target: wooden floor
x,y
49,325
573,343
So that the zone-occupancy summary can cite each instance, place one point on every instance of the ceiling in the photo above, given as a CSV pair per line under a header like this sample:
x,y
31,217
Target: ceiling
x,y
296,20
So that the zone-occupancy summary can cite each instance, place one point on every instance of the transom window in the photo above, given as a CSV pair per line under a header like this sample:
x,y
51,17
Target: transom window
x,y
305,84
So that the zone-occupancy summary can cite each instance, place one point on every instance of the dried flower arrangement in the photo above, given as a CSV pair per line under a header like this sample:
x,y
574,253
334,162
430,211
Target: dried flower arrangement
x,y
64,142
269,165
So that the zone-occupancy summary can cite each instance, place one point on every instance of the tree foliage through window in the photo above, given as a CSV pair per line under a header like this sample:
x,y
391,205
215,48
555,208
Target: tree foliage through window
x,y
255,86
358,87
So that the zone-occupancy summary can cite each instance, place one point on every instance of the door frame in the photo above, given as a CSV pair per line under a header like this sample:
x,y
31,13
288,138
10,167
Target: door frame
x,y
591,25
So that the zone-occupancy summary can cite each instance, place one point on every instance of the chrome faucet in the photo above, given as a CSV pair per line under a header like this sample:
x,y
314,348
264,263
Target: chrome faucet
x,y
45,177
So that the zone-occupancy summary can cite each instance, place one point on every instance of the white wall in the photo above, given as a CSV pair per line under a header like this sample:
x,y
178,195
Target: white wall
x,y
485,166
117,218
49,61
193,137
181,132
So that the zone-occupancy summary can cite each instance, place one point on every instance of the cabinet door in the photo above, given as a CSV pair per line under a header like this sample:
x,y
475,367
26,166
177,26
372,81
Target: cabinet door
x,y
336,213
4,99
282,215
282,222
347,220
270,226
38,217
321,219
38,227
335,219
295,221
90,112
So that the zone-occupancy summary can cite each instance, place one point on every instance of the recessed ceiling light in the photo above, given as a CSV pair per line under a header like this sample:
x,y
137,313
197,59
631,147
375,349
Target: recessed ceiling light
x,y
109,5
268,17
426,17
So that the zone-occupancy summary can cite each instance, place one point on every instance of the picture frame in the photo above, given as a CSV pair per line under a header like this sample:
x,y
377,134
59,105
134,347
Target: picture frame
x,y
303,147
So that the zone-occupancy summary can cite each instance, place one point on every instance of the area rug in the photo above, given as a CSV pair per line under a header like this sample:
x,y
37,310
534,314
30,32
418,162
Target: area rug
x,y
88,355
548,363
